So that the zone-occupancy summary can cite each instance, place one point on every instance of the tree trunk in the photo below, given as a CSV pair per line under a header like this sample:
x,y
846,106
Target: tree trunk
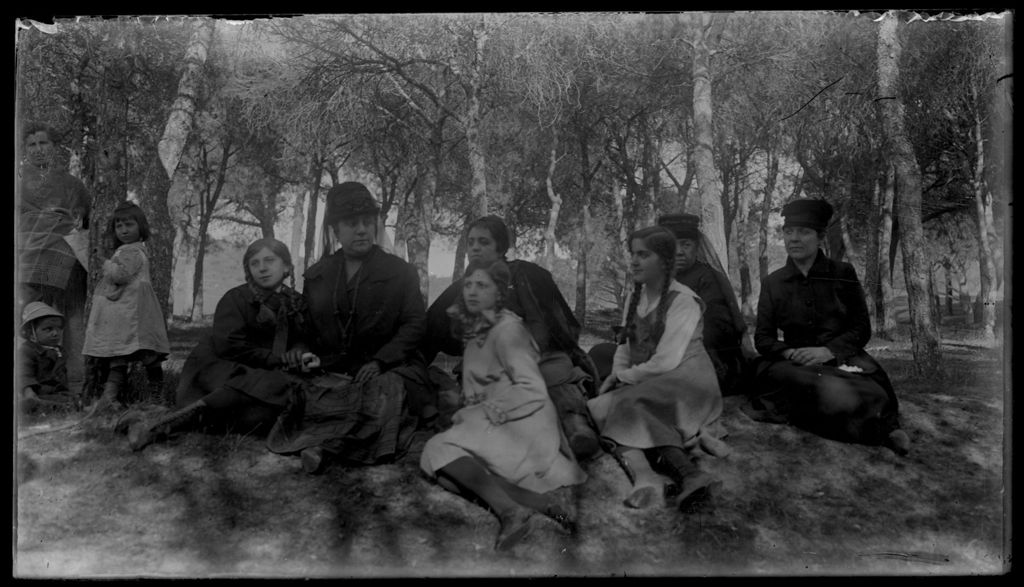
x,y
197,271
766,210
316,169
586,177
870,278
924,335
153,201
179,123
709,185
417,237
984,228
947,268
298,218
556,206
885,304
965,297
474,124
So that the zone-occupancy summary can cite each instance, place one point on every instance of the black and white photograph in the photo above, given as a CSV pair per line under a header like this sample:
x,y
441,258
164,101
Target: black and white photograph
x,y
513,295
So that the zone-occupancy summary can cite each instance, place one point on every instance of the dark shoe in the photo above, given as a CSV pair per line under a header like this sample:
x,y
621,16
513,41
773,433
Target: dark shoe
x,y
515,526
313,460
582,438
642,498
142,434
561,514
898,442
695,491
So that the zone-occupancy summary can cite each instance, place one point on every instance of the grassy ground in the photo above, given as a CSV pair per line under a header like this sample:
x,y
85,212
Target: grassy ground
x,y
792,503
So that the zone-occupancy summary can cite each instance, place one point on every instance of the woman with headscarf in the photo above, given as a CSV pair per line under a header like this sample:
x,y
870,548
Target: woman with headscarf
x,y
533,295
817,375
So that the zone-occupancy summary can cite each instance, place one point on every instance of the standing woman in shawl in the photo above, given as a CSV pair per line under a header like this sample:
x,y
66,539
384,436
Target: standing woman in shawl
x,y
369,317
52,205
818,375
533,295
243,374
661,401
505,446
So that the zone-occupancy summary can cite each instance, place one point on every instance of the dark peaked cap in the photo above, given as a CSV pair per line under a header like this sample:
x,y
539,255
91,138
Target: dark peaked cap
x,y
683,225
349,199
808,213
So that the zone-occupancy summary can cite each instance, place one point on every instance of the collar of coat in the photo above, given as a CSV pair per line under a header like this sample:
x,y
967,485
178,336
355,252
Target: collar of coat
x,y
822,267
378,265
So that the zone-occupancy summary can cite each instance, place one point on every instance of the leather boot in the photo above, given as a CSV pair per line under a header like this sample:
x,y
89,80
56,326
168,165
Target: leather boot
x,y
691,487
142,434
582,437
109,398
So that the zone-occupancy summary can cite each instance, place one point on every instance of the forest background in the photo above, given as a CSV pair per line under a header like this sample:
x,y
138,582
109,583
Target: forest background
x,y
576,128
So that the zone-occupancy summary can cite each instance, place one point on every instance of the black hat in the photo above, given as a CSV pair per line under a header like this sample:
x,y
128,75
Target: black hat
x,y
683,225
808,213
347,200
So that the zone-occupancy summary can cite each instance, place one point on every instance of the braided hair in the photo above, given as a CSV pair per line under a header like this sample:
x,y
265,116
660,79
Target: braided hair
x,y
662,242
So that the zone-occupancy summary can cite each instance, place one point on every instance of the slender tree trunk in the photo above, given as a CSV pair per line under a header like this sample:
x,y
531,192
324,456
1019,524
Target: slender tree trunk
x,y
984,228
885,304
417,235
947,268
316,169
870,278
298,219
766,210
924,334
556,206
197,271
474,123
965,296
586,176
709,184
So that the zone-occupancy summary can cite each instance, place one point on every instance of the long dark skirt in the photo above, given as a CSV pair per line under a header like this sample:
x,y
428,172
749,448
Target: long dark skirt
x,y
364,424
239,397
833,403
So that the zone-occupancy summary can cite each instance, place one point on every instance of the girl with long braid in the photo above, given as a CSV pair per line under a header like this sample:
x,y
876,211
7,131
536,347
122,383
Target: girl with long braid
x,y
661,402
505,446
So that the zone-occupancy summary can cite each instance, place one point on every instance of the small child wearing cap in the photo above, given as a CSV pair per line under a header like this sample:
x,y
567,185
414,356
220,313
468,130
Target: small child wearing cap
x,y
42,377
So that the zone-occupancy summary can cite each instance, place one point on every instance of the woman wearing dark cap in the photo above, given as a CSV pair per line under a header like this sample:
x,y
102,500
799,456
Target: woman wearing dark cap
x,y
533,295
818,376
366,307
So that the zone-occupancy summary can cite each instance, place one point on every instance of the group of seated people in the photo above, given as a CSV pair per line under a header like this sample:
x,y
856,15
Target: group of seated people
x,y
342,371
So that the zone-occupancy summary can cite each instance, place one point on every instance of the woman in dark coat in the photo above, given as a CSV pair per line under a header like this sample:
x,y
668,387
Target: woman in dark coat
x,y
533,295
244,373
818,375
370,319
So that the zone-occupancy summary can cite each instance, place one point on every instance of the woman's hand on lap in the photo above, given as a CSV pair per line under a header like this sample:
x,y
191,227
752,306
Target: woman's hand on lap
x,y
609,384
367,372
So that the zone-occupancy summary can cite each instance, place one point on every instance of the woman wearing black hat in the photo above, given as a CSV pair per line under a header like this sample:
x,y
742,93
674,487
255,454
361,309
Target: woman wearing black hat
x,y
818,375
369,315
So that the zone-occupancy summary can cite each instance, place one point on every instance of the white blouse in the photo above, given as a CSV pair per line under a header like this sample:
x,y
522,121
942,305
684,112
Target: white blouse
x,y
681,320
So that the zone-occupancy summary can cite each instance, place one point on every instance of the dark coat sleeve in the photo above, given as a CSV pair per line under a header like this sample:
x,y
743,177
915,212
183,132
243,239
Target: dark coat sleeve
x,y
545,312
857,321
27,366
411,320
766,335
439,337
230,337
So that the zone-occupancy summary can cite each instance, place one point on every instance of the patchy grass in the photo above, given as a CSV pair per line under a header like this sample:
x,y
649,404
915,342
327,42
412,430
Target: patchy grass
x,y
792,503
